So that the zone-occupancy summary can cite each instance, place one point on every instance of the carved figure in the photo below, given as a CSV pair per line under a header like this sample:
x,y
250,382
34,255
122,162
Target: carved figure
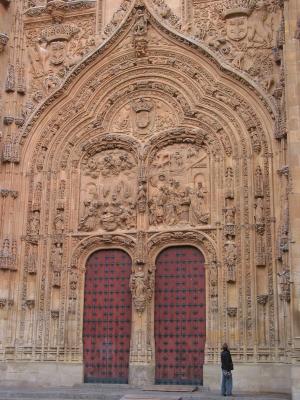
x,y
140,27
259,211
59,222
237,28
229,184
142,286
142,195
34,223
230,216
259,184
260,27
89,221
230,258
56,257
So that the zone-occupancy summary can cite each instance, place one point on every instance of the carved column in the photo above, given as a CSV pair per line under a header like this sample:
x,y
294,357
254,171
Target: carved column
x,y
141,367
292,59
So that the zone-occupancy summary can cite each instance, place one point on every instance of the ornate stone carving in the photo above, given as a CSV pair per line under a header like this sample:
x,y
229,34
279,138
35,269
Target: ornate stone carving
x,y
260,251
259,183
7,192
32,259
10,78
52,51
243,33
285,285
140,41
179,192
229,183
262,299
142,287
259,215
141,153
232,312
109,204
229,228
3,41
230,260
8,254
34,224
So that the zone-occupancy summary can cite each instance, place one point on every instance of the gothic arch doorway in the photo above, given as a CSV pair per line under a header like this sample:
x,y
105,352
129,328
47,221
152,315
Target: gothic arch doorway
x,y
107,317
179,317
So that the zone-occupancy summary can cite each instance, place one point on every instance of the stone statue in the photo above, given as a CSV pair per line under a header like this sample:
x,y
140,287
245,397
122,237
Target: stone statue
x,y
259,184
230,258
141,285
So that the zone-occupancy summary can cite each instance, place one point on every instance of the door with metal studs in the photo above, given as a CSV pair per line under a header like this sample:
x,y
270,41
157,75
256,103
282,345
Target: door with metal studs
x,y
179,321
107,317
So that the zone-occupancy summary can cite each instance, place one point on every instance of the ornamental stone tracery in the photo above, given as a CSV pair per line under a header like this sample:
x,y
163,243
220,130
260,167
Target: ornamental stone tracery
x,y
157,132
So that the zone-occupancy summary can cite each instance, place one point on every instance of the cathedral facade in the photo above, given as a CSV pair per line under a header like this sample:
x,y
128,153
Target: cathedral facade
x,y
150,189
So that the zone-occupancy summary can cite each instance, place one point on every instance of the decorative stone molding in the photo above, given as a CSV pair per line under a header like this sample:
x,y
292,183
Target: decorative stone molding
x,y
262,299
6,303
7,192
232,311
3,41
59,8
8,254
8,120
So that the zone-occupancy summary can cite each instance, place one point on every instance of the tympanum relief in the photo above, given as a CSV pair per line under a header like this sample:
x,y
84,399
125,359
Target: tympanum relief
x,y
143,117
179,187
109,185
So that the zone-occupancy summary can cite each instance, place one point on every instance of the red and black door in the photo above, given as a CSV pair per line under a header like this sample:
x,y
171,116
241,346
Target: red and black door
x,y
179,316
107,317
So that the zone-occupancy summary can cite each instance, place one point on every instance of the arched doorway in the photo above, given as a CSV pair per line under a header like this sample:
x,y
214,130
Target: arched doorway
x,y
107,317
179,316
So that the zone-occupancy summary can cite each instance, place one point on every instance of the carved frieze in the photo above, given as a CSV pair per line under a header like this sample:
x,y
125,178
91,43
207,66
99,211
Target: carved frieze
x,y
109,191
179,190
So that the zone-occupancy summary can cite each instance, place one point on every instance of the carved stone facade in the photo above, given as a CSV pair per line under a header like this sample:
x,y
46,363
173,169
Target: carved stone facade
x,y
142,125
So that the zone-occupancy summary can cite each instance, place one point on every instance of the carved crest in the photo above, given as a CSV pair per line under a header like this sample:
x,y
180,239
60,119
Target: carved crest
x,y
143,112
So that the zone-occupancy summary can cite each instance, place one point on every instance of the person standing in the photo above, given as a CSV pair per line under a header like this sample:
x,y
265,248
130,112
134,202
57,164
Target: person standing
x,y
227,367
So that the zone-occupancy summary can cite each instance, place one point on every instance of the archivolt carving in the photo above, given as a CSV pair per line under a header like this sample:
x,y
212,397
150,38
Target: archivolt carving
x,y
160,148
200,239
102,48
92,243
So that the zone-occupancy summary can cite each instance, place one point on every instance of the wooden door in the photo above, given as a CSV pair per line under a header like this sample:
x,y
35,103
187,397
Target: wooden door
x,y
107,317
179,316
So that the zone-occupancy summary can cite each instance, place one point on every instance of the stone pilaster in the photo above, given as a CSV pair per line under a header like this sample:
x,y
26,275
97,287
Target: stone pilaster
x,y
292,63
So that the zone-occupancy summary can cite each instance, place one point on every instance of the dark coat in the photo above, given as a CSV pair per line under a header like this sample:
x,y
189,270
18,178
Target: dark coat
x,y
226,361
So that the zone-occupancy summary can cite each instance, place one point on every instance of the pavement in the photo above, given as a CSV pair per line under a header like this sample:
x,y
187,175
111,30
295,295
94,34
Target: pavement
x,y
127,392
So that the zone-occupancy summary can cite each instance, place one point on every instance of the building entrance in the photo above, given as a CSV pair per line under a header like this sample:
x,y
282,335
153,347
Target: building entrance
x,y
179,316
107,317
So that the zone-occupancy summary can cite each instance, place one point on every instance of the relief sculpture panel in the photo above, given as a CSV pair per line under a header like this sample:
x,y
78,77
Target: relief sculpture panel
x,y
108,192
179,186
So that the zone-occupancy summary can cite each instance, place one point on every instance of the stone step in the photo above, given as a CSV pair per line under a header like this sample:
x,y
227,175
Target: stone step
x,y
117,392
170,388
